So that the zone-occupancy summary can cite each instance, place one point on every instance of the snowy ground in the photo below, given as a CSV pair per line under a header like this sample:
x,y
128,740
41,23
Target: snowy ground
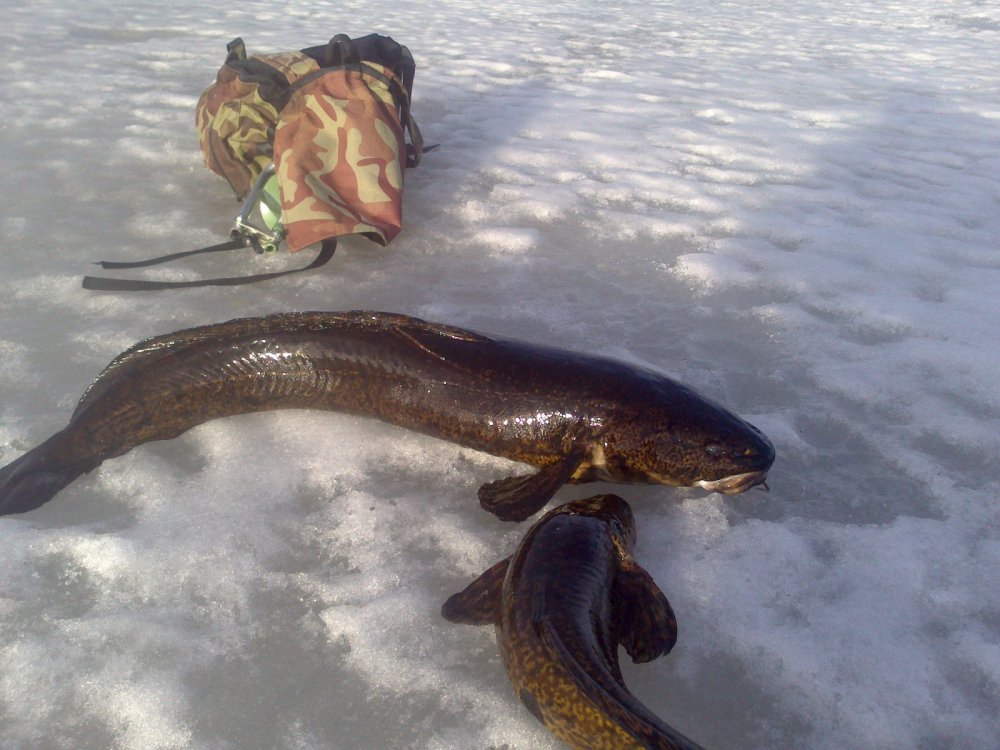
x,y
794,206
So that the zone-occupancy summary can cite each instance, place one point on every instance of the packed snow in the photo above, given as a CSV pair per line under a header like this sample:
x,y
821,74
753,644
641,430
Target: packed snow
x,y
792,206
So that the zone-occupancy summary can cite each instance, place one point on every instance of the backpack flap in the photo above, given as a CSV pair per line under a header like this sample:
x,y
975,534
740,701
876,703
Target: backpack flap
x,y
340,154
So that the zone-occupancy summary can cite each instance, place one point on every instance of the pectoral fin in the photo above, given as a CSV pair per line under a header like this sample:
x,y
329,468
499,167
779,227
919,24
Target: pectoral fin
x,y
516,498
479,603
646,624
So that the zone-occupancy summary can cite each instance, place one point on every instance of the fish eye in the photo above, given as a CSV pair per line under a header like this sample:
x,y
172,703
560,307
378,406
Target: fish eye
x,y
713,449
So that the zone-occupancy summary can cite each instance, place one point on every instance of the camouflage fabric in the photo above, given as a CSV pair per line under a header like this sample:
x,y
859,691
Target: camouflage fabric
x,y
340,154
336,134
235,122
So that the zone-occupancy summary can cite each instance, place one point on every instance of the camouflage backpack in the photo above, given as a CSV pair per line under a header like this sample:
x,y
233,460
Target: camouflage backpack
x,y
314,143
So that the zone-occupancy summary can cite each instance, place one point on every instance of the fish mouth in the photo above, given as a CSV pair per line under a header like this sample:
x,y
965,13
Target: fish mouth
x,y
733,485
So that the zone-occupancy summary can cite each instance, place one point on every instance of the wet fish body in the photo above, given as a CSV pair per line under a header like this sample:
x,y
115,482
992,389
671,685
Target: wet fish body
x,y
574,416
561,604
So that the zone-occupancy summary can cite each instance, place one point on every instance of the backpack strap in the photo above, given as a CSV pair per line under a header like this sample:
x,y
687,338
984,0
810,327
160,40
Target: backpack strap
x,y
104,284
233,244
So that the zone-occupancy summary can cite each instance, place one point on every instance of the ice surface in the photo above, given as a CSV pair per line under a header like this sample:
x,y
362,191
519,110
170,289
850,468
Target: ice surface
x,y
794,206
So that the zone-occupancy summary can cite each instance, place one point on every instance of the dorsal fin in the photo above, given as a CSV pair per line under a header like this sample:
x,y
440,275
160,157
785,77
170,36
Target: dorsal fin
x,y
427,336
147,351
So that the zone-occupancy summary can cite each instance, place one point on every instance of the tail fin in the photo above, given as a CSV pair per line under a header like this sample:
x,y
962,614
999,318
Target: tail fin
x,y
34,478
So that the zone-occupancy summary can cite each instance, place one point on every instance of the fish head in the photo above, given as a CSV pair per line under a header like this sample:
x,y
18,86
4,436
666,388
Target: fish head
x,y
609,509
683,439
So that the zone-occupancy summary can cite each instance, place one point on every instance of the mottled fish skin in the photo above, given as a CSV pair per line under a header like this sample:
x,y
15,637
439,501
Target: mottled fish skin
x,y
561,604
574,416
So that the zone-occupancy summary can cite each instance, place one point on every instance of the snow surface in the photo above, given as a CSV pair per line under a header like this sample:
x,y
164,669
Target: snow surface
x,y
793,206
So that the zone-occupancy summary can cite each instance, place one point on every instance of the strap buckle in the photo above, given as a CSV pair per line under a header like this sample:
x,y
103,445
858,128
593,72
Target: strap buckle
x,y
259,223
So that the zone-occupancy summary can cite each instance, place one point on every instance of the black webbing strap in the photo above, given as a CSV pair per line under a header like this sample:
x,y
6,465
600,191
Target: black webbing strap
x,y
232,244
103,284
